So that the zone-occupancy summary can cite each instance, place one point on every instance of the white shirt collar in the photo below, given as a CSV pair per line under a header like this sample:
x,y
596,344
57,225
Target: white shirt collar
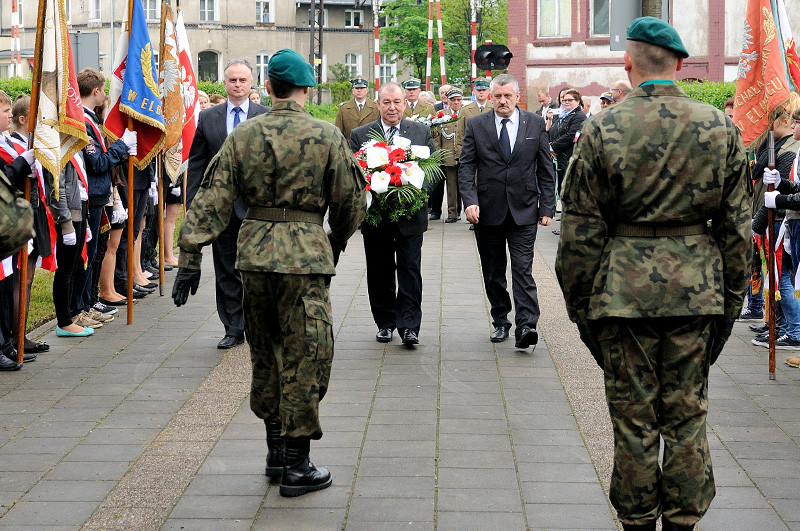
x,y
514,118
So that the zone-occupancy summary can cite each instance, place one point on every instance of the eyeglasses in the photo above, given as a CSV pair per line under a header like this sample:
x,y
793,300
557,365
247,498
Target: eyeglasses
x,y
567,99
795,122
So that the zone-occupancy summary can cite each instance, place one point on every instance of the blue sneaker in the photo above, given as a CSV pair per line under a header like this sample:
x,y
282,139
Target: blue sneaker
x,y
60,332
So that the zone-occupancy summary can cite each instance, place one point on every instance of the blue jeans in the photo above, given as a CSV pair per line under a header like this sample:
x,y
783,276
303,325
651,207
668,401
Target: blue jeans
x,y
791,307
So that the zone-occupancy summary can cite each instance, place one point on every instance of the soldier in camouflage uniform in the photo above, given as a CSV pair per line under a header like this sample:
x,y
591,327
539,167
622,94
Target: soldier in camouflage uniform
x,y
653,286
290,169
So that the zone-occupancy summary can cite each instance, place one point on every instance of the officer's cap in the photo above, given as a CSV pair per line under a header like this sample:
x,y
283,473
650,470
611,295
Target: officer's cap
x,y
657,32
482,83
289,66
359,82
454,93
607,96
412,83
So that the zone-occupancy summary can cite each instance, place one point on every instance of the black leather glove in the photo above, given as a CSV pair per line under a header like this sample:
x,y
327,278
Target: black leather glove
x,y
336,248
591,343
721,332
186,281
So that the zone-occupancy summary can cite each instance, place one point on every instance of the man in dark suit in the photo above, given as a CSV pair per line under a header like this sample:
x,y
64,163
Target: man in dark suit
x,y
395,246
214,126
513,191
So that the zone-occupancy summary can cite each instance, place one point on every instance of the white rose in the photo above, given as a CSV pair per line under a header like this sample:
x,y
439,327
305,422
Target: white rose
x,y
401,142
376,157
412,174
421,152
380,182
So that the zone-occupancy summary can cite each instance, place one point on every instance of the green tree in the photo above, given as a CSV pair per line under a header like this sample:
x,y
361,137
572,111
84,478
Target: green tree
x,y
457,28
406,35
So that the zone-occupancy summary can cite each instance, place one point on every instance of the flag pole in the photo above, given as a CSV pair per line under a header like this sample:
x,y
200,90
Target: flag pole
x,y
130,197
33,113
160,171
771,265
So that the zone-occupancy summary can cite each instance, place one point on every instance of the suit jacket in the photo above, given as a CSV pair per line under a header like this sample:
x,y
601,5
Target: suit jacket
x,y
211,133
420,135
348,117
523,185
439,106
562,136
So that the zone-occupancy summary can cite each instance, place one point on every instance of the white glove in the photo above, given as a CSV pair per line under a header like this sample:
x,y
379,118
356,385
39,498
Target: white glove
x,y
153,193
70,238
29,158
118,214
771,177
88,234
176,191
769,198
129,137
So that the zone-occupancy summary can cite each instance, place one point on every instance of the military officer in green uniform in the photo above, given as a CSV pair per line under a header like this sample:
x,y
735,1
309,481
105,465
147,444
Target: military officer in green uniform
x,y
358,111
449,136
482,102
290,169
414,105
653,261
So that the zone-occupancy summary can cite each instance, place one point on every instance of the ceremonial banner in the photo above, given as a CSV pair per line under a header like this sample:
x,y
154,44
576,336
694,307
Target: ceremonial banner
x,y
134,91
59,131
791,63
762,81
189,91
169,84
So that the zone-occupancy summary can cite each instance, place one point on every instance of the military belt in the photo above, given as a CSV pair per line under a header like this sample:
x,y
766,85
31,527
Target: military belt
x,y
283,214
644,230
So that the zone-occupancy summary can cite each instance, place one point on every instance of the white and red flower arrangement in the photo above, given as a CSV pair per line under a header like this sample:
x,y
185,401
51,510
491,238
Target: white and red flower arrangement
x,y
396,172
437,118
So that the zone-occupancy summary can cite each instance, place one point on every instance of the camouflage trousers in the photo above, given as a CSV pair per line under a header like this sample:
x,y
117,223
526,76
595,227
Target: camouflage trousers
x,y
288,323
656,380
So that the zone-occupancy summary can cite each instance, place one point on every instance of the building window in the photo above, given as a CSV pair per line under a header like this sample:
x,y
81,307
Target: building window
x,y
208,66
387,69
353,18
3,71
262,60
352,61
94,10
152,9
555,18
324,19
600,17
20,19
264,12
208,11
68,11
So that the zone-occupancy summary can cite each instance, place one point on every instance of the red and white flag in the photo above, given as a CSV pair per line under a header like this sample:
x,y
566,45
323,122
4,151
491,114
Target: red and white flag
x,y
170,85
188,90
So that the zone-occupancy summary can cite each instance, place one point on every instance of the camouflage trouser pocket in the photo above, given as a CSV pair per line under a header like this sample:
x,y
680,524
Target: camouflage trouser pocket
x,y
319,329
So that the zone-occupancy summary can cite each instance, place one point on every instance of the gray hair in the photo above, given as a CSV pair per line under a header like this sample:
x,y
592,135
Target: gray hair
x,y
505,79
237,61
387,86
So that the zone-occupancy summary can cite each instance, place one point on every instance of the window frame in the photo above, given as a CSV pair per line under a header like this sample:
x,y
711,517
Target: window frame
x,y
348,13
199,65
204,11
388,62
357,65
155,8
324,19
592,32
557,19
260,11
261,68
95,8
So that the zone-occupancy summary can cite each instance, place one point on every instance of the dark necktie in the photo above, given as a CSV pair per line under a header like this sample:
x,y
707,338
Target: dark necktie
x,y
359,107
505,143
236,111
392,131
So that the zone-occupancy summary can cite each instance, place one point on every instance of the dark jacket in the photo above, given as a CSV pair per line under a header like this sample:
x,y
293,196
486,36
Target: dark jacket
x,y
562,136
67,208
99,162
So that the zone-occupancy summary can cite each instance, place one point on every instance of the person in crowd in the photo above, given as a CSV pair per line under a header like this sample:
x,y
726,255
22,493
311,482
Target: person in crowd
x,y
620,89
117,215
564,131
449,137
358,111
546,102
514,189
212,129
628,209
216,99
443,103
413,104
203,100
728,108
173,199
606,100
303,170
255,96
99,161
586,105
481,103
395,247
428,97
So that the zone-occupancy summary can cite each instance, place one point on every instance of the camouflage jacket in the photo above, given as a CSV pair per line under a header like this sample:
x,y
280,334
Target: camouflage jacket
x,y
660,159
283,159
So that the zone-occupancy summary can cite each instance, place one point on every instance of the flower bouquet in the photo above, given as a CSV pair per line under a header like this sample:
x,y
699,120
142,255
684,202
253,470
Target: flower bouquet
x,y
437,118
395,172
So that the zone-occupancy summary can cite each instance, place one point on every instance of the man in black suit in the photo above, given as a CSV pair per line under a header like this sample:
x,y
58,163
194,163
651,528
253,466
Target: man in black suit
x,y
513,191
214,126
395,246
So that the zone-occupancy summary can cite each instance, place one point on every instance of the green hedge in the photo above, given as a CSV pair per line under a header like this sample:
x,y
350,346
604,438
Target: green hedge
x,y
713,92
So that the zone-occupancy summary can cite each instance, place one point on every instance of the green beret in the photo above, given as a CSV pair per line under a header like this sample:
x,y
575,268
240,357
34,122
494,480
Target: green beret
x,y
412,83
481,83
657,32
454,93
289,66
359,82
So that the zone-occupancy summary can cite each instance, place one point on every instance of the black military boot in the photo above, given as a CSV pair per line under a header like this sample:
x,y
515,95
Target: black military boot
x,y
275,448
299,474
641,527
666,525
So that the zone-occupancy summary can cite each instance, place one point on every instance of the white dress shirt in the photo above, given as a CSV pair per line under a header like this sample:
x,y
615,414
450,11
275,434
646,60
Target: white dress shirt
x,y
245,107
512,126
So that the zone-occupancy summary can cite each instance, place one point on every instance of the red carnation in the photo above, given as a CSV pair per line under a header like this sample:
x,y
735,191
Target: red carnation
x,y
383,145
363,164
440,115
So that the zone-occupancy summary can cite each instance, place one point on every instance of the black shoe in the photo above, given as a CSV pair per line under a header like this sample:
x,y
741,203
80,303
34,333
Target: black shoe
x,y
27,357
642,527
137,294
450,220
410,338
499,335
384,335
666,525
121,302
300,476
229,342
146,289
167,267
434,216
526,336
151,269
760,329
749,315
471,226
557,232
7,364
35,346
102,308
275,448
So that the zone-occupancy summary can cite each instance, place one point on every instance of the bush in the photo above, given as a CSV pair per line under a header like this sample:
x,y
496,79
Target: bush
x,y
326,111
15,86
713,92
212,87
